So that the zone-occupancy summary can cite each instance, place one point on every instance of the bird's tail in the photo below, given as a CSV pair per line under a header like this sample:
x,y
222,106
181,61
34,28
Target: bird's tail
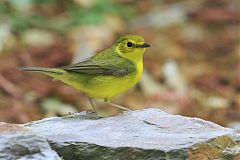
x,y
43,70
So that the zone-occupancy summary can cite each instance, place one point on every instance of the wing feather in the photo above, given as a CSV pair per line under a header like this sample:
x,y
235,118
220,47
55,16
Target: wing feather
x,y
103,65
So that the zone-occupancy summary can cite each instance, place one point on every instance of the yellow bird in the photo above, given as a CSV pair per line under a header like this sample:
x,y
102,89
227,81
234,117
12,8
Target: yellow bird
x,y
106,74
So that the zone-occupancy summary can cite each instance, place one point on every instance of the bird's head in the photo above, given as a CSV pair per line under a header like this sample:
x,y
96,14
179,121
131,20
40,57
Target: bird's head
x,y
131,47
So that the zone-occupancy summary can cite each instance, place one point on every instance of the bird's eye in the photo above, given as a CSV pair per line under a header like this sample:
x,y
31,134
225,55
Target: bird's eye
x,y
129,44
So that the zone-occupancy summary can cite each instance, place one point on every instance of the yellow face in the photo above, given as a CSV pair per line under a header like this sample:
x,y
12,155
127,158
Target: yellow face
x,y
131,47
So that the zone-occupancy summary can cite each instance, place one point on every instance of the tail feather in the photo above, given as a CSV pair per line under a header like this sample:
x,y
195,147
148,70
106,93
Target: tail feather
x,y
42,69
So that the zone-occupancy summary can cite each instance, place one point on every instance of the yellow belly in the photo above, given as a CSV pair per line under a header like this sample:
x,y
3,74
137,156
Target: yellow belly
x,y
110,86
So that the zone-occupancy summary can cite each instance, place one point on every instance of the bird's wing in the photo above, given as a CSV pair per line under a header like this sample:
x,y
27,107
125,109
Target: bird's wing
x,y
103,65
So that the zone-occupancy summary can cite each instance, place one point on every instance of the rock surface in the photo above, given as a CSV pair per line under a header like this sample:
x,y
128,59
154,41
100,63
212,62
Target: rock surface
x,y
20,143
148,134
235,125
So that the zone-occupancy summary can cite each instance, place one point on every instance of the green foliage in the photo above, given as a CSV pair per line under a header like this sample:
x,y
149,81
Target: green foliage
x,y
2,8
44,1
68,14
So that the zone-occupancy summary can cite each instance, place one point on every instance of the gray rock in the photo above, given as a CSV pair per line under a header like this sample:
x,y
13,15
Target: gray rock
x,y
20,143
235,125
148,134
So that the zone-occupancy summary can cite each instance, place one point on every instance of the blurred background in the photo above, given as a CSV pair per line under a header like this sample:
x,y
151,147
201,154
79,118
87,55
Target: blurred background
x,y
192,68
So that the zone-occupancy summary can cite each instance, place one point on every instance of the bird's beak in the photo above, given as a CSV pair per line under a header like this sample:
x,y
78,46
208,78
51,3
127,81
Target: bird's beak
x,y
144,45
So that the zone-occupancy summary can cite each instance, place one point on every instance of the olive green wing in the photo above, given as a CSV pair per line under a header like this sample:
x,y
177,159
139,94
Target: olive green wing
x,y
103,65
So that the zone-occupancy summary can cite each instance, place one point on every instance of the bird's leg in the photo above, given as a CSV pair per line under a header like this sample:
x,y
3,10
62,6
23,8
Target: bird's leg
x,y
117,106
92,104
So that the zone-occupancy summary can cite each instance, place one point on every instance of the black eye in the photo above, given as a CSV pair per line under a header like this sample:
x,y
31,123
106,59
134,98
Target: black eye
x,y
129,44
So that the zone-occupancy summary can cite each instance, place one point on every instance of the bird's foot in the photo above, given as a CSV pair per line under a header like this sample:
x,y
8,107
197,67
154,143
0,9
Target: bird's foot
x,y
93,114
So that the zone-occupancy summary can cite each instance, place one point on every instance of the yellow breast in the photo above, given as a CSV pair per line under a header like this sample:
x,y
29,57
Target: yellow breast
x,y
110,86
